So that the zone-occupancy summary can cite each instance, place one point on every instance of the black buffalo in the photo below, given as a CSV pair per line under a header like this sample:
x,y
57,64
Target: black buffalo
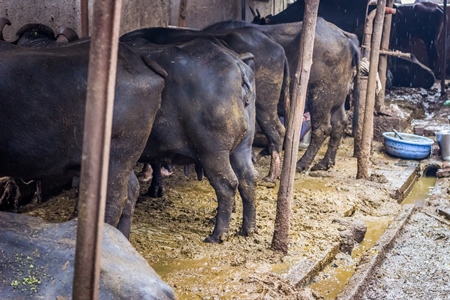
x,y
422,21
271,74
333,74
349,15
43,94
207,118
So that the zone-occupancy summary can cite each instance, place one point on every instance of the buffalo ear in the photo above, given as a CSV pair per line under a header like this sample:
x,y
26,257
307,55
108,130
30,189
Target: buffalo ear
x,y
253,11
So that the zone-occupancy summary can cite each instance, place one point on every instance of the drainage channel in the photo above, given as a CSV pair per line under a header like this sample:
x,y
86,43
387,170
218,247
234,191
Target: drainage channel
x,y
336,275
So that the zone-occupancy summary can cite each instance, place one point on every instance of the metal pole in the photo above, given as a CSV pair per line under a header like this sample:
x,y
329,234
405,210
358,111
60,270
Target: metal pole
x,y
84,16
243,6
96,144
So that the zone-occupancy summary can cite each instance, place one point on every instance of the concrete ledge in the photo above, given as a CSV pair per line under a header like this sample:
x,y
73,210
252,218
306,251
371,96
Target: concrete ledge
x,y
375,256
304,271
402,183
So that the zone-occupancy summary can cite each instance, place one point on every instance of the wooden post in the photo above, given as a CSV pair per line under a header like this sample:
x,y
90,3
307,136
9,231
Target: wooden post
x,y
382,67
280,238
358,112
96,144
84,16
444,56
367,133
182,13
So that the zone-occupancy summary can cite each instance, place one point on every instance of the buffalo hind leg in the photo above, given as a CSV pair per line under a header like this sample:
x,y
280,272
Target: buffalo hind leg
x,y
156,189
318,136
116,196
127,214
274,130
338,124
218,170
246,174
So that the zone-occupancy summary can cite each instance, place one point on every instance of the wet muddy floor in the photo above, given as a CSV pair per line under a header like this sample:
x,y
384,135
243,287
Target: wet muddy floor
x,y
169,231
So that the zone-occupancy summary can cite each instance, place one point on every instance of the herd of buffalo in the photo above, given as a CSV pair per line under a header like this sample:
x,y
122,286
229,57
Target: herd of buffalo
x,y
181,97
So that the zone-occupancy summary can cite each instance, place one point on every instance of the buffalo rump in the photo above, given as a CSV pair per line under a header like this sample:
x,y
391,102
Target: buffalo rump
x,y
43,95
333,77
207,118
271,75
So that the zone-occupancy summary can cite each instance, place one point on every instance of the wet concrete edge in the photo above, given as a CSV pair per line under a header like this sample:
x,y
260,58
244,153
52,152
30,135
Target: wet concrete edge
x,y
408,177
373,257
303,272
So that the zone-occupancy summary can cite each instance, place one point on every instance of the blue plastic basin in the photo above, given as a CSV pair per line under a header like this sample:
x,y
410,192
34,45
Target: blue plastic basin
x,y
410,147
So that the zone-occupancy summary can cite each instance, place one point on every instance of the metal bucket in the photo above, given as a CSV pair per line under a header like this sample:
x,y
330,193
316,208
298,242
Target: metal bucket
x,y
443,139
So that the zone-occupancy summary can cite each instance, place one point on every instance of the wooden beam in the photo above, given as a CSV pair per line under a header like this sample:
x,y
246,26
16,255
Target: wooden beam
x,y
182,13
96,144
280,240
367,131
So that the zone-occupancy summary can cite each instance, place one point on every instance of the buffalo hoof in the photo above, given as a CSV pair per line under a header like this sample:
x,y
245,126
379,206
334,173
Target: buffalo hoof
x,y
216,239
321,166
246,231
267,182
155,192
301,167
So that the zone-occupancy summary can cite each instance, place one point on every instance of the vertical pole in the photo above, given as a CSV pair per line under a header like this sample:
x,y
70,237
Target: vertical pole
x,y
444,57
367,133
358,112
243,7
96,144
182,13
84,16
280,238
382,67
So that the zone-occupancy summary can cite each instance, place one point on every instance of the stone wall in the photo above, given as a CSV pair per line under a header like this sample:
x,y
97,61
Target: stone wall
x,y
135,13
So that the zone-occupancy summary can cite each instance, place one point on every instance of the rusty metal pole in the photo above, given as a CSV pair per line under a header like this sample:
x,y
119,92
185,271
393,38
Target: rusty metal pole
x,y
280,238
96,144
444,57
382,66
367,133
84,16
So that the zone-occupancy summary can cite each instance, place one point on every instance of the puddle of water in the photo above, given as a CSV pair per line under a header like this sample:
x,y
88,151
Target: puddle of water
x,y
336,275
312,184
170,265
420,191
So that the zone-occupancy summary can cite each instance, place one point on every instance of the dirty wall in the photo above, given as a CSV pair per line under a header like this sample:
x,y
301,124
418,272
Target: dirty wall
x,y
135,13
